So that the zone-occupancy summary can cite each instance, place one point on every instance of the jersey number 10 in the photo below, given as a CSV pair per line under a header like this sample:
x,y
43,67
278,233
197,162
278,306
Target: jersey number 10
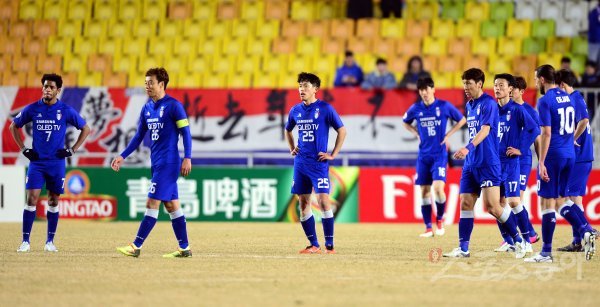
x,y
567,120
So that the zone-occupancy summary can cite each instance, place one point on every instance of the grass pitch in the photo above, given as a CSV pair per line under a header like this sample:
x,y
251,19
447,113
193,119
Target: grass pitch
x,y
257,264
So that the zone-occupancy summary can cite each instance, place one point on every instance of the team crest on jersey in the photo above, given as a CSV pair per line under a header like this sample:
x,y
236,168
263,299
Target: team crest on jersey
x,y
508,116
437,111
58,115
162,111
317,113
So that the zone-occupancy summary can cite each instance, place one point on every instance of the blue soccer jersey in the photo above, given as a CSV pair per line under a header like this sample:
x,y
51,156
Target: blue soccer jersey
x,y
431,124
516,129
557,111
313,123
526,154
49,126
483,111
585,151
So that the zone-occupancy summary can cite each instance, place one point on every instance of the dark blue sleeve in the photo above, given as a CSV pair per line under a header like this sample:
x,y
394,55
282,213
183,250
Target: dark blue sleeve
x,y
23,117
453,112
74,119
359,74
182,123
291,122
409,116
530,130
333,119
544,111
488,112
137,138
338,78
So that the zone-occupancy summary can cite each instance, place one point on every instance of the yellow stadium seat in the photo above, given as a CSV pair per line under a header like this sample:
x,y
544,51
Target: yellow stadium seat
x,y
397,65
32,80
23,63
193,80
509,46
324,63
173,78
253,10
319,28
146,62
287,80
442,28
30,10
308,45
109,45
56,45
54,9
136,79
474,61
14,79
69,28
227,10
105,10
243,28
48,63
330,9
275,63
459,46
366,61
216,81
135,46
129,10
449,64
99,63
417,28
299,63
264,80
430,62
258,46
195,29
124,63
484,46
154,10
9,10
180,10
185,46
94,28
199,64
276,9
19,29
499,64
524,65
87,78
558,44
34,46
210,47
409,47
44,28
392,28
435,46
219,29
15,45
267,28
443,79
326,80
368,28
119,29
333,45
234,46
467,28
239,80
74,63
85,46
204,10
342,28
549,58
302,10
384,47
79,10
114,79
169,28
425,11
477,10
144,28
175,64
162,46
360,45
223,65
284,45
293,28
69,78
520,28
247,64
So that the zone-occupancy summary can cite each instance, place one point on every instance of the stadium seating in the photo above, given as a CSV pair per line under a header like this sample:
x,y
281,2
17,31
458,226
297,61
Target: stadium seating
x,y
259,43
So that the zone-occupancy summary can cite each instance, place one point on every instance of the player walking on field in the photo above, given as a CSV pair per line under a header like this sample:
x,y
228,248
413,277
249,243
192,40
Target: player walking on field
x,y
481,173
50,118
313,117
431,115
166,119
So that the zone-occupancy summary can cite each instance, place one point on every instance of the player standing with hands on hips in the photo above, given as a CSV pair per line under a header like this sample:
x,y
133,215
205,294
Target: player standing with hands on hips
x,y
311,163
166,119
50,118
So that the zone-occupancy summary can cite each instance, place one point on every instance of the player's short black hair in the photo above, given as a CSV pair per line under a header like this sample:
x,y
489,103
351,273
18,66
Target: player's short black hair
x,y
590,62
348,53
424,83
160,73
547,72
310,78
508,77
53,77
380,61
520,83
566,76
565,59
474,74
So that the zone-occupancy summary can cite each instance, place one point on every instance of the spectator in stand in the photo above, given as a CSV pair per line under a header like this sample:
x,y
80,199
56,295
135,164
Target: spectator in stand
x,y
349,74
594,35
359,9
565,63
590,77
414,72
389,7
380,79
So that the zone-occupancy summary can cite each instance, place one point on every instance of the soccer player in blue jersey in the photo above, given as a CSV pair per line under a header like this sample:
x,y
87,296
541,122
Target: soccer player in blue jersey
x,y
584,155
516,132
557,158
431,115
525,160
313,117
481,172
49,117
166,119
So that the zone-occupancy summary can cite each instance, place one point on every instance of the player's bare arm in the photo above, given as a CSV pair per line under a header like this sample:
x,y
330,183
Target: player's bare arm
x,y
85,131
479,137
581,126
339,140
412,130
544,145
289,136
14,131
455,128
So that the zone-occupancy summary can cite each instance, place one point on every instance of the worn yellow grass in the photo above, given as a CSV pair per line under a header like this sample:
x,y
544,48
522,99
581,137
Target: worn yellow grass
x,y
256,264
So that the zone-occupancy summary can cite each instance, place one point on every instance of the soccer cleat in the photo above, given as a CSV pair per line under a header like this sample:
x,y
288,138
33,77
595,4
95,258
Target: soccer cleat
x,y
572,248
457,253
520,250
538,259
505,247
534,239
329,249
180,253
50,247
24,248
311,249
589,245
440,231
129,250
427,234
528,248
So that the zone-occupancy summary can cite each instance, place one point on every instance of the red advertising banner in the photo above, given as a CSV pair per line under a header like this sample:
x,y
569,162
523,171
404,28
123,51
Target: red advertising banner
x,y
389,195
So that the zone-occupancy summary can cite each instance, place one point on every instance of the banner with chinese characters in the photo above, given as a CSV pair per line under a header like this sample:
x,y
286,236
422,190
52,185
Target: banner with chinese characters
x,y
208,194
225,121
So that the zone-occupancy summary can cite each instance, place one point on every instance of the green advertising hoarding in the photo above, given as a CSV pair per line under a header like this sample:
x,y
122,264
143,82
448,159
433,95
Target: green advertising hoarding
x,y
222,194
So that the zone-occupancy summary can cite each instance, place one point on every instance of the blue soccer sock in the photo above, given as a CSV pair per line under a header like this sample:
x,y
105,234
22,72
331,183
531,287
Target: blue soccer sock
x,y
522,217
582,219
577,210
510,225
179,227
52,216
28,218
548,226
426,211
327,221
308,224
465,228
440,205
146,226
504,233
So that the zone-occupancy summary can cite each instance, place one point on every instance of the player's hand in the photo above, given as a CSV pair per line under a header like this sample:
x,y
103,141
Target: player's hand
x,y
295,151
64,153
576,144
461,154
323,156
186,167
511,151
30,154
543,172
444,141
116,163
